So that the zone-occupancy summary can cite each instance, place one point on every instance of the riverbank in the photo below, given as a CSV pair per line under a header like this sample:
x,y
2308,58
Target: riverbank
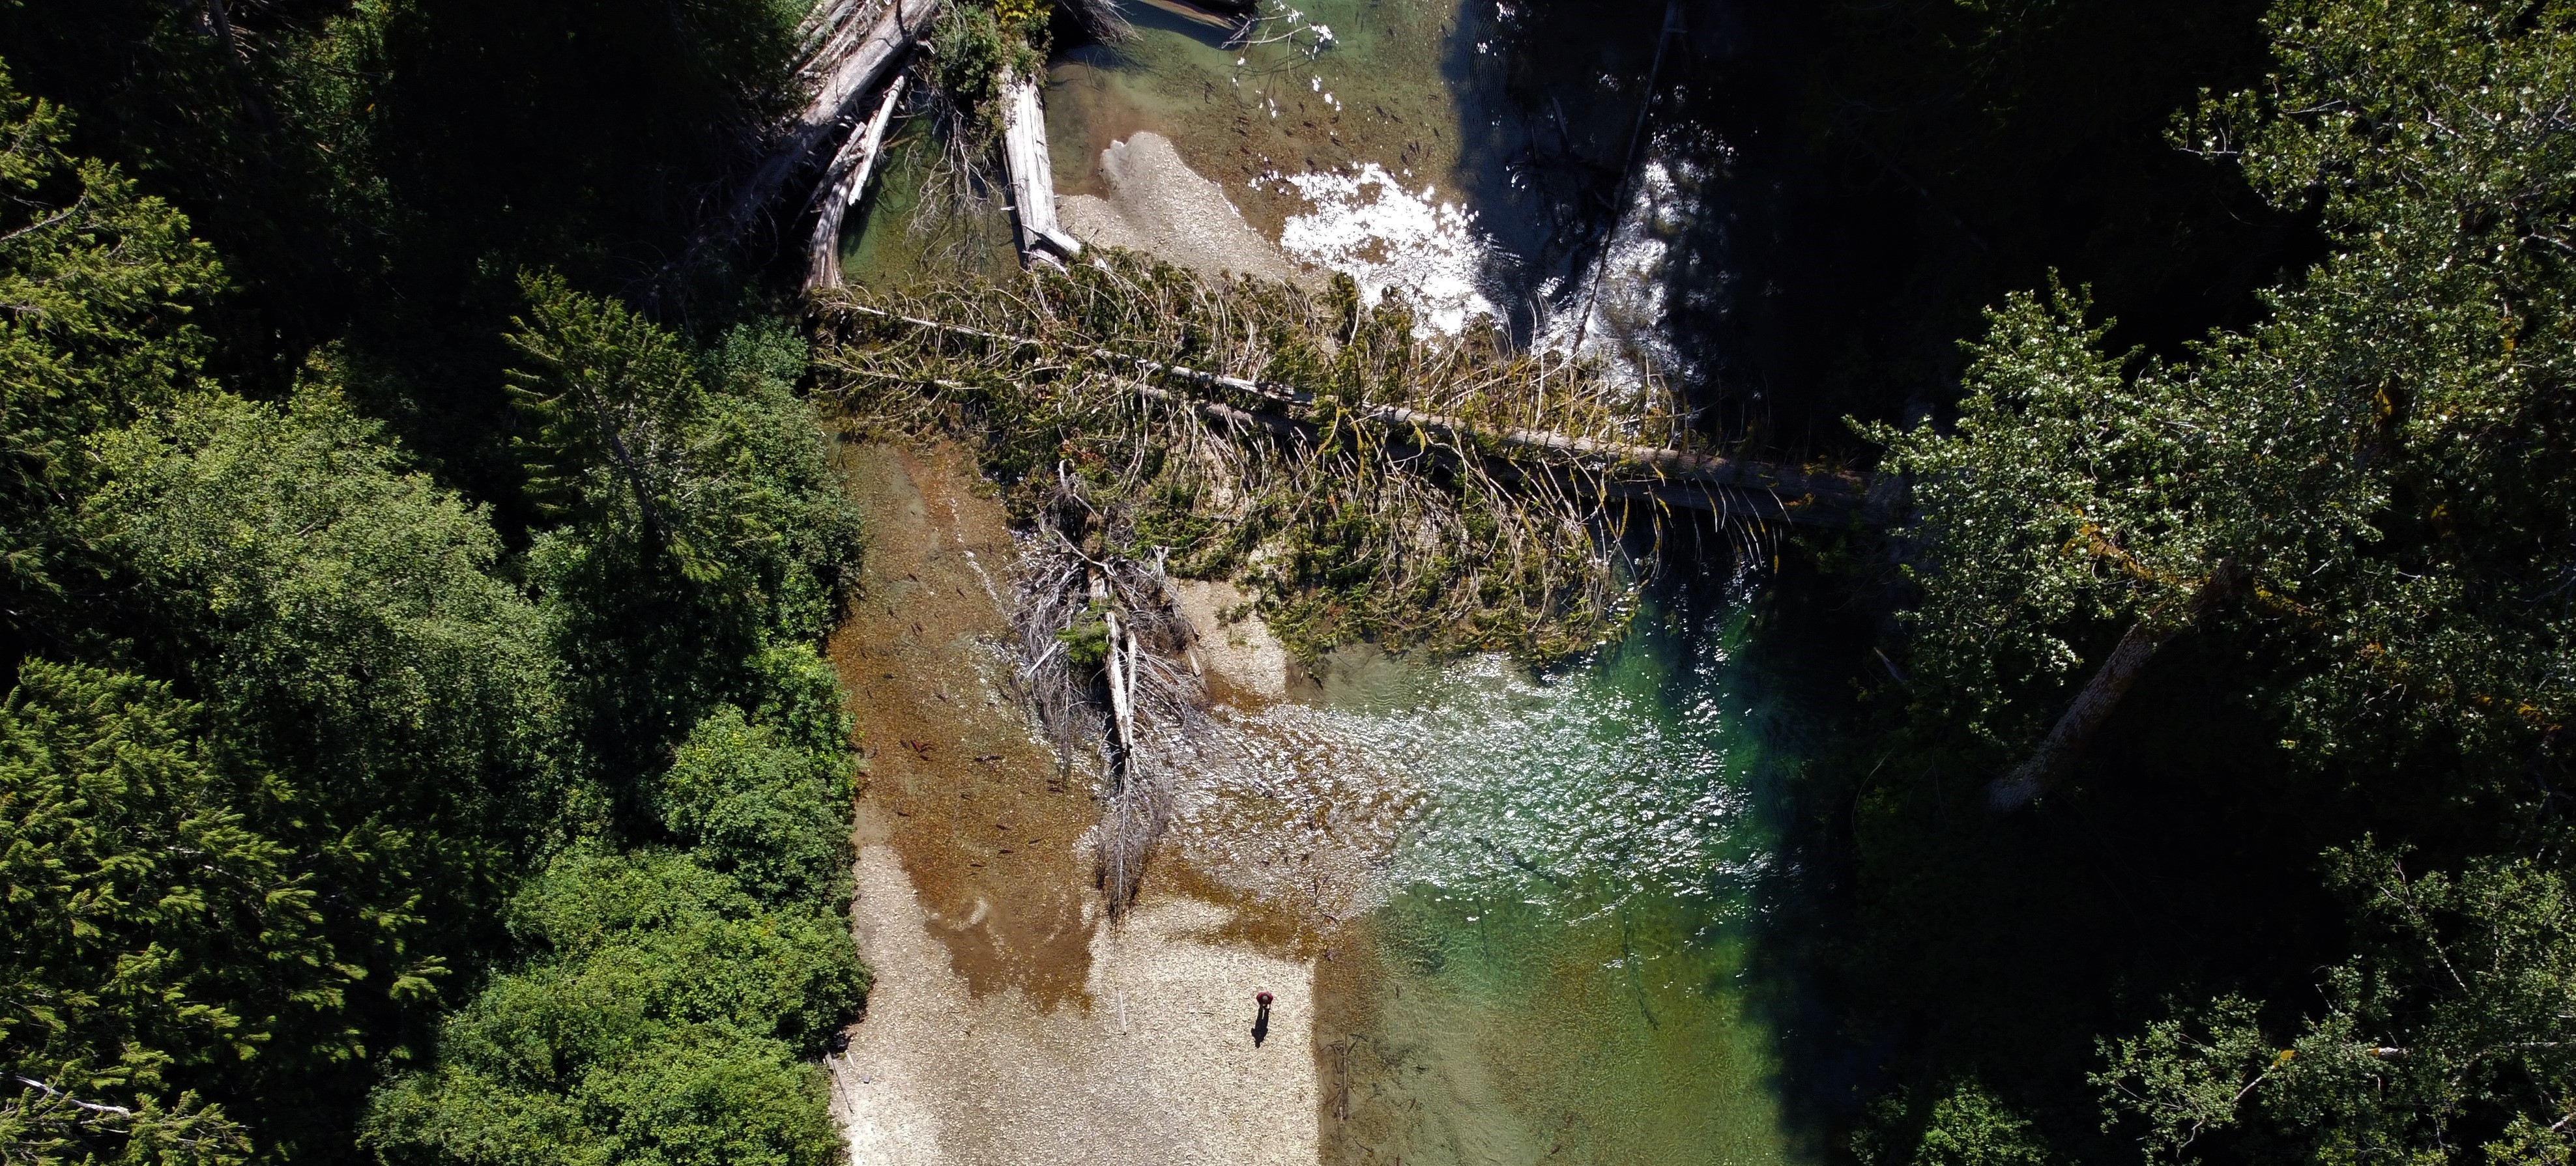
x,y
1012,1021
1502,916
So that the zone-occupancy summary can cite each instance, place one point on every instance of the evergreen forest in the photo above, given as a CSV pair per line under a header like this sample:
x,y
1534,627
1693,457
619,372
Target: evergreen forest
x,y
420,528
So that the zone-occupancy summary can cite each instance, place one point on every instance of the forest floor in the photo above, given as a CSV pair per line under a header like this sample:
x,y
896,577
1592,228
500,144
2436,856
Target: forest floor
x,y
1012,1021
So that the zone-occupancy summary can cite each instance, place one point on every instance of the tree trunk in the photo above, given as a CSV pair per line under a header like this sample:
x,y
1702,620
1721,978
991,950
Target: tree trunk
x,y
1686,476
849,70
842,187
2101,695
1024,149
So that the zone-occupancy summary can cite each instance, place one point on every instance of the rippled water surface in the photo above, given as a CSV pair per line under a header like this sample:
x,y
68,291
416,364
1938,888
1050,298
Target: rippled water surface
x,y
1553,972
1553,875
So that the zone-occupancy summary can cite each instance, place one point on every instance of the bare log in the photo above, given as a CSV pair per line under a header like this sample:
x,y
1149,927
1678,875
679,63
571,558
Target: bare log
x,y
2101,694
1024,149
1121,663
842,187
846,66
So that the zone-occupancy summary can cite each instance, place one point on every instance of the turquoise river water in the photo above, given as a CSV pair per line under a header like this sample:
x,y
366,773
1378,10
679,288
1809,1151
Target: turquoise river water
x,y
1558,969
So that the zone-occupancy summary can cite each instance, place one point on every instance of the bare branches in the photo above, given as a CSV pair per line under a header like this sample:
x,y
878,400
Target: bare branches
x,y
1103,633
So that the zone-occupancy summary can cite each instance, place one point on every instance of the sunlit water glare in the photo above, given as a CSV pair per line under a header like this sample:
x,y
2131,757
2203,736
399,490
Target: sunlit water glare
x,y
1553,878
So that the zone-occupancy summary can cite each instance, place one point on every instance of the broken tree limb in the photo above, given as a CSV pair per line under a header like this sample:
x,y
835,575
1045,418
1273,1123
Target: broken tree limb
x,y
1024,150
842,187
77,1103
1119,663
2101,694
845,68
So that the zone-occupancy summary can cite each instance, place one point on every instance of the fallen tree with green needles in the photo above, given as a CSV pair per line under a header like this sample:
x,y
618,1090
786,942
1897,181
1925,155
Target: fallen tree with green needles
x,y
1367,479
1374,483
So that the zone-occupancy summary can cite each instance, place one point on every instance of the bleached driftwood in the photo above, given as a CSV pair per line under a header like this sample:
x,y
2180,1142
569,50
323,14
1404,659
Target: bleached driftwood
x,y
1024,150
842,187
851,54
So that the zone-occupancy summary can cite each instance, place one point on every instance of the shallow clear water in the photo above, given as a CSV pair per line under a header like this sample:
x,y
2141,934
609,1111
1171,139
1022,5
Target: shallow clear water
x,y
1347,153
1554,876
1555,973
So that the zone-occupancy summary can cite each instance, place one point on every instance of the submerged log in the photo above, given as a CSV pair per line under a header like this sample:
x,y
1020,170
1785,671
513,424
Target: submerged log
x,y
1024,150
842,187
1217,14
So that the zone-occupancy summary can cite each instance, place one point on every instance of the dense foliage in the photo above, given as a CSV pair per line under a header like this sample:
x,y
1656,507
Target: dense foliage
x,y
381,172
527,814
2333,548
415,745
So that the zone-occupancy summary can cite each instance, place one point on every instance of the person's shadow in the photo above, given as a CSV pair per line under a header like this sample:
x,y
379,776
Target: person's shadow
x,y
1261,1019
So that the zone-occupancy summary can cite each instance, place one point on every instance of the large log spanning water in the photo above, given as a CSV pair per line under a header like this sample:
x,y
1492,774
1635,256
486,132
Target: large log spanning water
x,y
1662,474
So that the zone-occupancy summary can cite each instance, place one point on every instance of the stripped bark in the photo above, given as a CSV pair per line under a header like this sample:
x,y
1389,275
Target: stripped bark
x,y
846,65
842,187
1122,692
1024,150
2101,694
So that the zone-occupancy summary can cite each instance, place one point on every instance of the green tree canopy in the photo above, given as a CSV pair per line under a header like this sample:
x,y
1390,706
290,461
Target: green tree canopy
x,y
2374,484
2366,502
705,525
2447,1038
135,878
101,281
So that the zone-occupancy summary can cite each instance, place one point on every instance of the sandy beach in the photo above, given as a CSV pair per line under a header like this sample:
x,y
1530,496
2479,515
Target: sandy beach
x,y
1156,204
1012,1021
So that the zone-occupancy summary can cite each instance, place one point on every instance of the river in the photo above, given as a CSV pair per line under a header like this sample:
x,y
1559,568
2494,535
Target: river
x,y
1528,901
1557,972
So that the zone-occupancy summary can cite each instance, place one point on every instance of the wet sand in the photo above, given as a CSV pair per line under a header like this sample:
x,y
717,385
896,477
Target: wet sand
x,y
1153,202
976,808
1011,1022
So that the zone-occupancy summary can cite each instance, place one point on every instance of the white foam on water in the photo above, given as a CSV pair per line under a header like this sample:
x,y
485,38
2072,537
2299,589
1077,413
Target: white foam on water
x,y
1366,224
1571,794
1616,313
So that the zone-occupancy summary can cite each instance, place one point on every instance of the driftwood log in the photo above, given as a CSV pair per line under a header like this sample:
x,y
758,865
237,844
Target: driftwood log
x,y
842,187
1024,150
851,53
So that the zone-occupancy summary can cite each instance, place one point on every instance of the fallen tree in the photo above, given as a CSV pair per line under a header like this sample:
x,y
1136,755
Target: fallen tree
x,y
1369,481
852,46
843,185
